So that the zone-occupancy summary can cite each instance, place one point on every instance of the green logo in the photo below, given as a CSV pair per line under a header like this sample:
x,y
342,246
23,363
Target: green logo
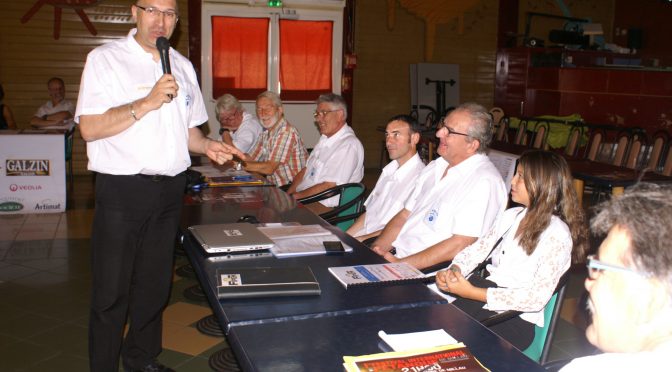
x,y
10,207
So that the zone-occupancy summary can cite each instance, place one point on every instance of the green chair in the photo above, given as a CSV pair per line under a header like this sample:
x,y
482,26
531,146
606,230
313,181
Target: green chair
x,y
350,205
540,347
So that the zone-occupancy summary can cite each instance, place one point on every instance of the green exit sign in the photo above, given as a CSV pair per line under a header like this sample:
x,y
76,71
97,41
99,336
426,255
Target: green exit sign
x,y
275,3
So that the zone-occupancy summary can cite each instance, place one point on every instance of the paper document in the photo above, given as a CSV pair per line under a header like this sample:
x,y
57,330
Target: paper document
x,y
417,340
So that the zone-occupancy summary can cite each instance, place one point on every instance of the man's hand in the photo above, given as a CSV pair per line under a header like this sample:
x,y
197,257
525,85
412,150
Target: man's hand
x,y
162,92
220,152
384,253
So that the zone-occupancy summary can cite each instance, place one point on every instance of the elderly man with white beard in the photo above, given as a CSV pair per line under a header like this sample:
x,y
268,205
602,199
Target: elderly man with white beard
x,y
630,283
279,154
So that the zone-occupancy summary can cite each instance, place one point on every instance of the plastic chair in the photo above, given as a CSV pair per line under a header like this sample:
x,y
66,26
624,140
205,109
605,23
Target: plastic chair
x,y
350,205
540,347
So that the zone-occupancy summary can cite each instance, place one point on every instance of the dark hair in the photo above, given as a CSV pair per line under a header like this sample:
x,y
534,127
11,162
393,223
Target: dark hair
x,y
335,100
56,79
480,127
2,94
645,212
408,119
548,181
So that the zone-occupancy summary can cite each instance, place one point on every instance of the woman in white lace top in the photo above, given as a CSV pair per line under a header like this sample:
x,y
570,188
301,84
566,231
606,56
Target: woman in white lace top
x,y
532,246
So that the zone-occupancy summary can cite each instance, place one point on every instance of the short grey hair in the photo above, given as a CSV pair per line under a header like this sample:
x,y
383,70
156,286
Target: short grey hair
x,y
645,212
334,100
274,97
227,102
480,126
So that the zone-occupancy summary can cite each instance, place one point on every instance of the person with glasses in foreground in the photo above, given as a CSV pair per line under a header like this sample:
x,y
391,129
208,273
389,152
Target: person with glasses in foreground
x,y
139,125
338,157
455,199
237,127
630,283
526,253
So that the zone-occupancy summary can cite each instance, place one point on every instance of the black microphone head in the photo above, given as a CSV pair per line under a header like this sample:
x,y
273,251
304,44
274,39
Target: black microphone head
x,y
162,43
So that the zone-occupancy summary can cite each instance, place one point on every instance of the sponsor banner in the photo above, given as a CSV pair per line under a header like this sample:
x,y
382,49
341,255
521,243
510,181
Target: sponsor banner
x,y
32,173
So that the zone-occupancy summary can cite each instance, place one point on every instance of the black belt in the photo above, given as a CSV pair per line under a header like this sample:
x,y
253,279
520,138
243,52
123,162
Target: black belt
x,y
156,177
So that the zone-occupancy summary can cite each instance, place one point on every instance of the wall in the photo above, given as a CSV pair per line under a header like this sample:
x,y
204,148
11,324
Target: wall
x,y
381,79
653,18
29,54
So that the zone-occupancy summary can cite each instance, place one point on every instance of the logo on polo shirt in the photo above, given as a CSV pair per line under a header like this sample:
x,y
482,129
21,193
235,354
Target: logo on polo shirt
x,y
27,167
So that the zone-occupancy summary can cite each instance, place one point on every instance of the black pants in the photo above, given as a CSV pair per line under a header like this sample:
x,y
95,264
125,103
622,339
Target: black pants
x,y
517,331
134,230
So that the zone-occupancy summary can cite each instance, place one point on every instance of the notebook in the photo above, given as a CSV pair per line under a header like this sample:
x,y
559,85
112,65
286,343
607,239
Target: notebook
x,y
250,282
230,237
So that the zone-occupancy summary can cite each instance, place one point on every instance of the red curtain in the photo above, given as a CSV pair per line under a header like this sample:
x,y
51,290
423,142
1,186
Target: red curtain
x,y
305,59
239,56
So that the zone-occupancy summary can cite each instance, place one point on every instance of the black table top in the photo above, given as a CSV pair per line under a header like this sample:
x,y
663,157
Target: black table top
x,y
319,344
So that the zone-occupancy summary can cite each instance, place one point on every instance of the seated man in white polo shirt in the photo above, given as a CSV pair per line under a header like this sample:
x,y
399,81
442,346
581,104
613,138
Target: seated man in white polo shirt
x,y
402,135
238,128
456,198
338,157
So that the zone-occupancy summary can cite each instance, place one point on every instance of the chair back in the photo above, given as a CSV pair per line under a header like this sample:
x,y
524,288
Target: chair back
x,y
69,142
659,146
540,347
502,129
521,133
595,143
637,144
622,144
540,135
350,205
573,140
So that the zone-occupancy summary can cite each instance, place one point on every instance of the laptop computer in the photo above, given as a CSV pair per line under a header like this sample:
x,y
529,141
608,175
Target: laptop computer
x,y
230,237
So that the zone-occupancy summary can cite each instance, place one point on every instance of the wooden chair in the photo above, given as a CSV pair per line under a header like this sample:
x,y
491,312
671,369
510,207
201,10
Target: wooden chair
x,y
497,115
595,143
521,133
541,130
621,147
635,151
658,148
573,140
667,165
502,130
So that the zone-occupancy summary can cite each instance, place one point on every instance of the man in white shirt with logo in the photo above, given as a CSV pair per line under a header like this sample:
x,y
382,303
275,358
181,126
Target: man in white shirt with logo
x,y
456,198
628,283
387,198
338,157
140,125
238,128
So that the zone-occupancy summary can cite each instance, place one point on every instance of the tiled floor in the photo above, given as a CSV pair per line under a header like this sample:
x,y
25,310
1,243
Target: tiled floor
x,y
44,287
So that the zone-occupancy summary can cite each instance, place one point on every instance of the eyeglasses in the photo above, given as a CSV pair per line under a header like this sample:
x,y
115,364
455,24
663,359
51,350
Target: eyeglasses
x,y
151,11
597,267
323,113
229,118
451,131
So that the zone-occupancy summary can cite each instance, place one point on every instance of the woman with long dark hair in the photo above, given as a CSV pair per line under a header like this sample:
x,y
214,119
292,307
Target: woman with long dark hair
x,y
527,251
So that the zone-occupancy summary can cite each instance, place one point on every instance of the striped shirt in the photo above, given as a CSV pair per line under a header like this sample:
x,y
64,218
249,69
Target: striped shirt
x,y
282,144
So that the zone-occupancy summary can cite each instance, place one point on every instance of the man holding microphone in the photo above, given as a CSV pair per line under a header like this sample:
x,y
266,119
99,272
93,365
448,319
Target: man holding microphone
x,y
139,123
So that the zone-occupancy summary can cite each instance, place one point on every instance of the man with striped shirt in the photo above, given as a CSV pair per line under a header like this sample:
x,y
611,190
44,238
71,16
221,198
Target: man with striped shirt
x,y
279,154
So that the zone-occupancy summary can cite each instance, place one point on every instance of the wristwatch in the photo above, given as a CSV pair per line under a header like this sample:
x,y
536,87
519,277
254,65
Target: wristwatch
x,y
222,130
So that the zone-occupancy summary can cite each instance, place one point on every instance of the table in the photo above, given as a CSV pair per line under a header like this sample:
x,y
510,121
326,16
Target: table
x,y
319,344
335,300
603,175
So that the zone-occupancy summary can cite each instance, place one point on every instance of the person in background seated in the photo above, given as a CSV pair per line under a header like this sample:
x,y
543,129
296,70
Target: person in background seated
x,y
338,157
55,111
526,253
6,116
238,128
279,153
455,200
402,135
630,283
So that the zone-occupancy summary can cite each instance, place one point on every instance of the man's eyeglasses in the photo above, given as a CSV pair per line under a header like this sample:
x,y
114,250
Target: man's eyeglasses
x,y
597,267
151,11
451,131
323,113
228,118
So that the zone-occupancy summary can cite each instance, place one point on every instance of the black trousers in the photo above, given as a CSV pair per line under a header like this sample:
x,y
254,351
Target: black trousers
x,y
134,229
517,331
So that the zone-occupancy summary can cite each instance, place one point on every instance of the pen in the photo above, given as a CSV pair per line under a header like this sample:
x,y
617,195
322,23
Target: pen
x,y
199,186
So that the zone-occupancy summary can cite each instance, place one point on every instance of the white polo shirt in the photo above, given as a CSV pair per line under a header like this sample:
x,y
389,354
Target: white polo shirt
x,y
121,71
247,133
339,159
391,191
48,108
467,201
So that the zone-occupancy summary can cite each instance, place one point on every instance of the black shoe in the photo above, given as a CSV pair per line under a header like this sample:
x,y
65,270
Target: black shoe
x,y
151,367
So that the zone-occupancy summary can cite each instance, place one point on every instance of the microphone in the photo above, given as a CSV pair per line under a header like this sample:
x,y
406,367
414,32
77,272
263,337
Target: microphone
x,y
163,45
